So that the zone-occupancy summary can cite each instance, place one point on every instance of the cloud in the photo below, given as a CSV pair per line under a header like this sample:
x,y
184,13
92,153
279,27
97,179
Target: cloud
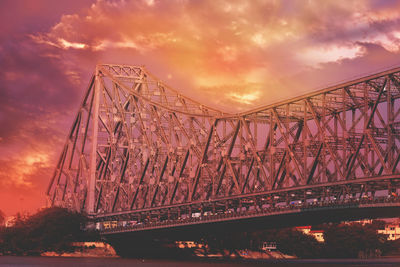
x,y
37,95
18,171
375,59
65,44
246,98
219,43
317,56
32,85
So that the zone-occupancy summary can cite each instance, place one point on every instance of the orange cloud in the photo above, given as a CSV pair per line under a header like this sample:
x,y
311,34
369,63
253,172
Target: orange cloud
x,y
220,43
17,172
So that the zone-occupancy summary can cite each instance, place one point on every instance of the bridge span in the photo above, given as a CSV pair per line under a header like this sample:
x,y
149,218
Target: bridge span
x,y
143,158
254,218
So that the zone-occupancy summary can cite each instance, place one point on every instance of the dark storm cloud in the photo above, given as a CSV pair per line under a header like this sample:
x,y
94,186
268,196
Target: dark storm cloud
x,y
31,84
27,16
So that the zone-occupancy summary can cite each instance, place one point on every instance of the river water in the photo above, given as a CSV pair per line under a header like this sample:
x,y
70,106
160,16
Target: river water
x,y
115,262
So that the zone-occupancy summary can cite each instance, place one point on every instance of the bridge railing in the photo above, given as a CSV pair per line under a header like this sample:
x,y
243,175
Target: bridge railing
x,y
256,212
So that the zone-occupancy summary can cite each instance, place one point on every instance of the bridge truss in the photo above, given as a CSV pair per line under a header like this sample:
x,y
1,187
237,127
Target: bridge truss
x,y
139,149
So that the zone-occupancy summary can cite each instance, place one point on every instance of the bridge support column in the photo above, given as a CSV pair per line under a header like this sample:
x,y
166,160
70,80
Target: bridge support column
x,y
90,201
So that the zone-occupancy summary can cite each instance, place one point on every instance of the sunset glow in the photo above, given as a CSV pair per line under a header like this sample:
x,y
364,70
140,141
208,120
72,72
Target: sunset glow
x,y
234,55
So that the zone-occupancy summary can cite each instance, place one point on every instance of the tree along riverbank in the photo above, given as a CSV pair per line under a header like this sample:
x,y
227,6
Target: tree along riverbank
x,y
341,240
50,229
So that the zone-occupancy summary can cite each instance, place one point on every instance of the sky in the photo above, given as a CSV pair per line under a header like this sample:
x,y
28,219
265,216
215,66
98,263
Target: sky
x,y
232,55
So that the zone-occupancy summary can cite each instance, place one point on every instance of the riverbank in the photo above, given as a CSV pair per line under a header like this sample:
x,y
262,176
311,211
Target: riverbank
x,y
120,262
103,250
245,254
86,250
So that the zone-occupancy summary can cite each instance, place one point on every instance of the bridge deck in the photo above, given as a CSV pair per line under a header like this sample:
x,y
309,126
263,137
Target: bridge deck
x,y
312,210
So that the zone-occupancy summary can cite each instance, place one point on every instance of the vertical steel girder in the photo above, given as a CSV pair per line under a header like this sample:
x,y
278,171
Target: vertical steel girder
x,y
138,144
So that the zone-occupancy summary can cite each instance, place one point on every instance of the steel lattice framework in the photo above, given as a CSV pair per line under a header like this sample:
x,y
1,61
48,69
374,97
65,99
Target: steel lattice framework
x,y
138,145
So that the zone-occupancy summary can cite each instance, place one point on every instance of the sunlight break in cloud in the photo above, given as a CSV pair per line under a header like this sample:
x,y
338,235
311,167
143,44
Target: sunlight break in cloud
x,y
17,171
246,98
65,44
316,56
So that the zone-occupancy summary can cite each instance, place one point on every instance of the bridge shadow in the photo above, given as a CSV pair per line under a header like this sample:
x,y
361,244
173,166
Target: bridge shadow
x,y
159,242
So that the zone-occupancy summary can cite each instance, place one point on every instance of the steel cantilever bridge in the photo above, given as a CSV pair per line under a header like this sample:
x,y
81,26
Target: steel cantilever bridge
x,y
144,157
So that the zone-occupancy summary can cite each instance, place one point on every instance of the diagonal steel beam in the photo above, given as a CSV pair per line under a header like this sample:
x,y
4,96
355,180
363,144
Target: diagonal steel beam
x,y
318,123
158,182
314,165
140,182
290,150
228,154
179,177
255,155
350,168
203,160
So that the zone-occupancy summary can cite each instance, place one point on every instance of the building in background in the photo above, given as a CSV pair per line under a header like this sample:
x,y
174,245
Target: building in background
x,y
392,230
318,234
